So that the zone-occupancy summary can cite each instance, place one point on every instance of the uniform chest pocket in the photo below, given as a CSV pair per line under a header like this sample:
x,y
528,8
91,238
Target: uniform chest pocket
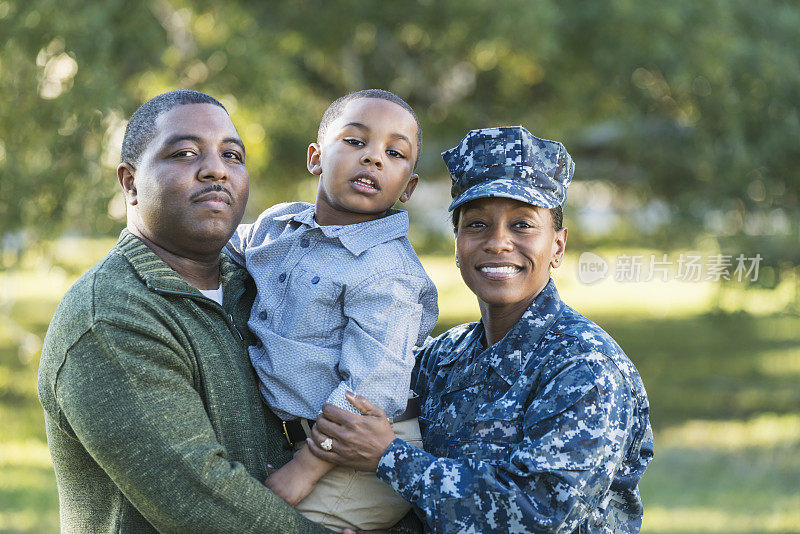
x,y
312,309
490,440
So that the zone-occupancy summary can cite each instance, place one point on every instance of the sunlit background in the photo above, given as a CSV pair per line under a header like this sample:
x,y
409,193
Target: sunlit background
x,y
682,118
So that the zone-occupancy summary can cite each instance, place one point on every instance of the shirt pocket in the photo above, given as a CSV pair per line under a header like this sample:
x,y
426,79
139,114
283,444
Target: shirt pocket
x,y
312,310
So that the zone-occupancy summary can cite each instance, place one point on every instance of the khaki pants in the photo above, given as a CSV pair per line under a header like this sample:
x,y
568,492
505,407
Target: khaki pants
x,y
346,498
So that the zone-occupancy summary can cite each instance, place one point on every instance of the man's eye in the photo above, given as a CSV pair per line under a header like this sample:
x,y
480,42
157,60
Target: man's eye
x,y
183,154
523,224
474,224
233,155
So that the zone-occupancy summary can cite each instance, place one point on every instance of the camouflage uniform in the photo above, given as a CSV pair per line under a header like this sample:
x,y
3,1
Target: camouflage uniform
x,y
545,431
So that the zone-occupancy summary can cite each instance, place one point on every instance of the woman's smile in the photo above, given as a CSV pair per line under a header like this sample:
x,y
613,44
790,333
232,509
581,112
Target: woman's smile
x,y
499,272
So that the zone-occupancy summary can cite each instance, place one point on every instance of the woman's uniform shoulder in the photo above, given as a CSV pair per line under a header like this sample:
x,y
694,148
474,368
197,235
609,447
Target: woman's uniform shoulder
x,y
574,338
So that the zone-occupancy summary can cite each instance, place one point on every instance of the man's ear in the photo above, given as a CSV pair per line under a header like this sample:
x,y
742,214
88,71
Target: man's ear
x,y
313,162
410,186
125,175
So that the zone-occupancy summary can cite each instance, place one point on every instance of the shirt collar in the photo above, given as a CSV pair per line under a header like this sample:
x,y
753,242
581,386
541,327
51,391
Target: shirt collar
x,y
157,275
511,353
361,236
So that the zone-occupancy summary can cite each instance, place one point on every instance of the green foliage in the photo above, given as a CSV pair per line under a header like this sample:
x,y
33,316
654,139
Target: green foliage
x,y
690,104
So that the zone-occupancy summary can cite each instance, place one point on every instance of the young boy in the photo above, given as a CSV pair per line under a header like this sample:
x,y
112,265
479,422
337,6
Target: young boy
x,y
342,300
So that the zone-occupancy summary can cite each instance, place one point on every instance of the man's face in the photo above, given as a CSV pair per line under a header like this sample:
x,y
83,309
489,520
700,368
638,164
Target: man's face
x,y
366,161
189,191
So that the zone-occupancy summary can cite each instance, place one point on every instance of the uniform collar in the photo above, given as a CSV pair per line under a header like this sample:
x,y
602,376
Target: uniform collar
x,y
157,275
509,355
357,237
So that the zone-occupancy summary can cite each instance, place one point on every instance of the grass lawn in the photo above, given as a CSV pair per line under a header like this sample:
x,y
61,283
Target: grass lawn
x,y
722,371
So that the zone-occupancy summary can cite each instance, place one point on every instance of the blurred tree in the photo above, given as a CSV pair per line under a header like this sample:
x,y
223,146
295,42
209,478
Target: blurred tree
x,y
687,111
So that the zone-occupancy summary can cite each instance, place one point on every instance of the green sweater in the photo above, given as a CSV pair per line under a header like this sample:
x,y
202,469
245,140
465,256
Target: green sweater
x,y
153,415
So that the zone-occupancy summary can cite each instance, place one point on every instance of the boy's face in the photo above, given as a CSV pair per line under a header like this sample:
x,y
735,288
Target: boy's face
x,y
366,162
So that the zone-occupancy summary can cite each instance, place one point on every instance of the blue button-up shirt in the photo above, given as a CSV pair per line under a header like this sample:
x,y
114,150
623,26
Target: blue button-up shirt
x,y
338,308
545,431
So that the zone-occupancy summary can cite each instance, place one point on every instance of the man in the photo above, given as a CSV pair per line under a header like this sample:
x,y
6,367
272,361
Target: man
x,y
153,417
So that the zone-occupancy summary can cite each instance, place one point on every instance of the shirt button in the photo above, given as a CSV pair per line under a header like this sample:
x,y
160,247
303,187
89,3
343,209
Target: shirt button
x,y
282,277
304,242
315,280
263,315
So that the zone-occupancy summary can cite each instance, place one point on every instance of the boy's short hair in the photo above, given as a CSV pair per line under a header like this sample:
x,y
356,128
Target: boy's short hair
x,y
336,108
141,128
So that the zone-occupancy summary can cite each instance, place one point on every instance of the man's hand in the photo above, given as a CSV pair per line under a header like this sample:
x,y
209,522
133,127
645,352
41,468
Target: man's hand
x,y
359,441
295,480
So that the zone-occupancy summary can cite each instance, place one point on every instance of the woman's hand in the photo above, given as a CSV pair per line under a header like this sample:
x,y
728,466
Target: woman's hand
x,y
359,441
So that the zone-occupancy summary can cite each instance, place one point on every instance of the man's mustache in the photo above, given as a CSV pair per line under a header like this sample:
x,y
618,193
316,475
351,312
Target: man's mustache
x,y
213,188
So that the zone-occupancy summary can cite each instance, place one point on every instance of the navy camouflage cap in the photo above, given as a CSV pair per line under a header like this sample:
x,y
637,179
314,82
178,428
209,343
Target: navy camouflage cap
x,y
509,162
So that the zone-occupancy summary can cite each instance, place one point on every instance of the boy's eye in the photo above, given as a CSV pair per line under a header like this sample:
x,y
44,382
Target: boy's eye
x,y
354,142
395,153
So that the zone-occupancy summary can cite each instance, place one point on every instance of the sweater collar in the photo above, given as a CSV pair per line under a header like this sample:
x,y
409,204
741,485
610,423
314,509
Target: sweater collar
x,y
159,276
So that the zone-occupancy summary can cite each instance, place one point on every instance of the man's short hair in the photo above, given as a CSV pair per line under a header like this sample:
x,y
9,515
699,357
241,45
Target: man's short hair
x,y
141,128
335,110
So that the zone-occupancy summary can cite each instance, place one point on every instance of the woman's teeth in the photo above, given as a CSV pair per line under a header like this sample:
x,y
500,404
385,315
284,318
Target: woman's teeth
x,y
507,269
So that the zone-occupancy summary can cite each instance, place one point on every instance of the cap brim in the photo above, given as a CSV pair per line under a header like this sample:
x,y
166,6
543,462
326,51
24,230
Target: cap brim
x,y
505,189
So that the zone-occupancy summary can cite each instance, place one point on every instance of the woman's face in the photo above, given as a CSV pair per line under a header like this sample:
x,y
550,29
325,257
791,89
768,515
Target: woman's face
x,y
505,250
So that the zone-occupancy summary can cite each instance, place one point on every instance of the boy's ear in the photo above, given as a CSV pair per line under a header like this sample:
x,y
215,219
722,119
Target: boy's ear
x,y
313,162
410,186
125,175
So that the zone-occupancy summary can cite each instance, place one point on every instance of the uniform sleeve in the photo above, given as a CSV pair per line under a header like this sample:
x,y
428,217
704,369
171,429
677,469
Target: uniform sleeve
x,y
573,436
132,405
387,315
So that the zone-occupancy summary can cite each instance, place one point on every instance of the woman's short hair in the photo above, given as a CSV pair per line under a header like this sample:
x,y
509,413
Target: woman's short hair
x,y
556,213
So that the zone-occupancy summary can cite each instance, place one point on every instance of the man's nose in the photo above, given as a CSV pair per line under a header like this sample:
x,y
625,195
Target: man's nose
x,y
213,168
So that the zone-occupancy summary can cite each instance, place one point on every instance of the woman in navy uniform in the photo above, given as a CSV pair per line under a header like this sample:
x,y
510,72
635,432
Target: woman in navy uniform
x,y
533,419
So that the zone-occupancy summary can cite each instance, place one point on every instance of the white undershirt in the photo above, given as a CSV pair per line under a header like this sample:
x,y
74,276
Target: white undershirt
x,y
213,294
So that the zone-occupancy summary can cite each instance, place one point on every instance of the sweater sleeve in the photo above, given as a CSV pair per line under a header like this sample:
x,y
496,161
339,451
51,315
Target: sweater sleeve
x,y
129,397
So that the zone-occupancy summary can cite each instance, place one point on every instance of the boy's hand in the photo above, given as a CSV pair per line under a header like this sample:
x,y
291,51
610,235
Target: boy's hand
x,y
295,480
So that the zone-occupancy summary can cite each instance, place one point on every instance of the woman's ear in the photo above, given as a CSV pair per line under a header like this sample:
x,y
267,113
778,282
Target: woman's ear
x,y
313,161
127,180
559,246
